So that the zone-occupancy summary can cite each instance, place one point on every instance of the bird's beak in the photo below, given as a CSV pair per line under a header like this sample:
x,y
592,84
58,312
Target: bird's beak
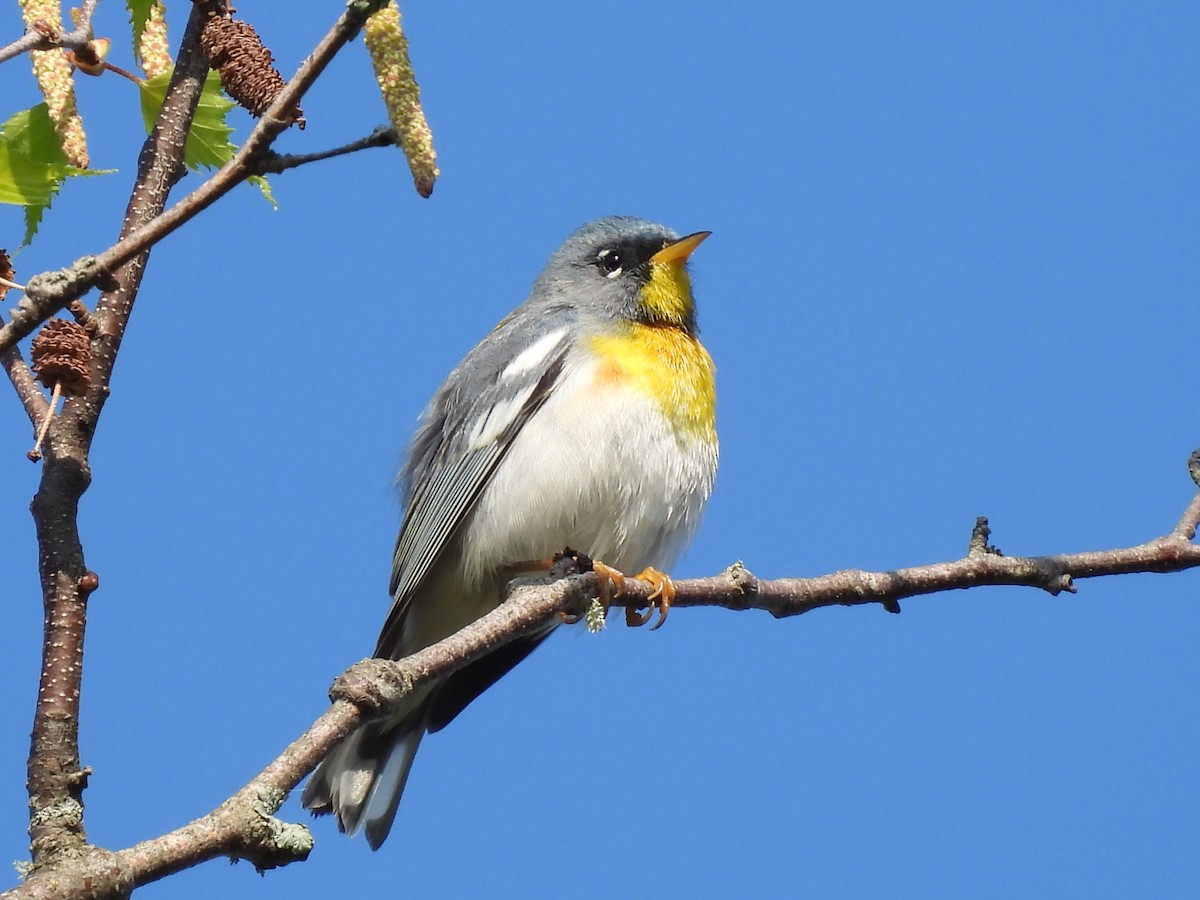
x,y
678,251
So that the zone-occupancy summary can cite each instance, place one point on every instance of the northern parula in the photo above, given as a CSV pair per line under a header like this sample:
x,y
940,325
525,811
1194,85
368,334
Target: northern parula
x,y
585,419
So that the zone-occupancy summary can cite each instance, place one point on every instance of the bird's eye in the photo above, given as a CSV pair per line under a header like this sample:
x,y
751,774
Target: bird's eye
x,y
609,262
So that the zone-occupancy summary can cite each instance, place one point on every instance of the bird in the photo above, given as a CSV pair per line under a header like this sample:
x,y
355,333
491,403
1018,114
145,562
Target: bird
x,y
584,422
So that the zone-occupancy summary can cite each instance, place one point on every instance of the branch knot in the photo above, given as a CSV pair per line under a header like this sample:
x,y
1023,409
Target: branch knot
x,y
372,686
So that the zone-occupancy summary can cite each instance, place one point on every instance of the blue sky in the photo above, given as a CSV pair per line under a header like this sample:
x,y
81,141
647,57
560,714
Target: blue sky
x,y
953,273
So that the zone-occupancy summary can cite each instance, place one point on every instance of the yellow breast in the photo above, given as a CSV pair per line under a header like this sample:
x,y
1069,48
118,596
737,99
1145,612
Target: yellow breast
x,y
666,363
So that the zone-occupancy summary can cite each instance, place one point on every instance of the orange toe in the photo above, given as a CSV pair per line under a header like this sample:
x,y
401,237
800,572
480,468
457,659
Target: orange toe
x,y
664,594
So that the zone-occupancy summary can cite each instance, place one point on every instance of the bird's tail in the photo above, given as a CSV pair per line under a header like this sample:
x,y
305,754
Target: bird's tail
x,y
362,779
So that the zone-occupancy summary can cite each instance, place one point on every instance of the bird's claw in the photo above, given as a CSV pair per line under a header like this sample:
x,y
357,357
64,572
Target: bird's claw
x,y
611,584
664,594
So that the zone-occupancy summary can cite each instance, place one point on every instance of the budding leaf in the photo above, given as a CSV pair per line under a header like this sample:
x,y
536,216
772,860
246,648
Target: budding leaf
x,y
139,13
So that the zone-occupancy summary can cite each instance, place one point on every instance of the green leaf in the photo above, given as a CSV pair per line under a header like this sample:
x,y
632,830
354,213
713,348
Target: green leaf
x,y
139,12
32,165
25,181
208,143
260,182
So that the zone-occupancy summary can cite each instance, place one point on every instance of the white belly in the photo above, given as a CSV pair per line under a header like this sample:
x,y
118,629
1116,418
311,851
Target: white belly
x,y
588,460
551,492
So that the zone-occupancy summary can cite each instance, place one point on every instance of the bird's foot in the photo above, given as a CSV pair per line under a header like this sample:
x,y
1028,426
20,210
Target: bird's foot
x,y
661,599
611,584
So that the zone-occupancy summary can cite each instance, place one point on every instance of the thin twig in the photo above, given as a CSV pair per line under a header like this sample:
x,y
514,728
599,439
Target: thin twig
x,y
1189,521
84,317
278,163
35,40
124,73
36,453
26,386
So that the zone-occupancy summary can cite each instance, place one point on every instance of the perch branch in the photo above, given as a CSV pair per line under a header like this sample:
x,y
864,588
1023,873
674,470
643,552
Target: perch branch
x,y
244,827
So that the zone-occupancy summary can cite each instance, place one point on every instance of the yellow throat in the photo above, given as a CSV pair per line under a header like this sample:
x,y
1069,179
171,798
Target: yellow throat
x,y
663,359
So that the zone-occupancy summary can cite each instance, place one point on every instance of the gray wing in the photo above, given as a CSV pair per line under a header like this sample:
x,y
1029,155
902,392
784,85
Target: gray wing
x,y
467,429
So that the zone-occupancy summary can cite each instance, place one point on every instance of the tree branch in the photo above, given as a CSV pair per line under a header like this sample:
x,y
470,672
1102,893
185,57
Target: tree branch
x,y
243,826
56,779
59,847
51,291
